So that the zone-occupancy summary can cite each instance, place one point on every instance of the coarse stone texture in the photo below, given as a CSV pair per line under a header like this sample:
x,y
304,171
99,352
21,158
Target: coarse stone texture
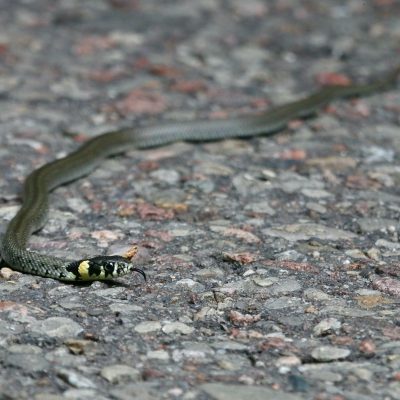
x,y
220,391
272,263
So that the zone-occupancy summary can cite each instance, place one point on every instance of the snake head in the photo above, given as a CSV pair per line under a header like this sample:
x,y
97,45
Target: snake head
x,y
102,267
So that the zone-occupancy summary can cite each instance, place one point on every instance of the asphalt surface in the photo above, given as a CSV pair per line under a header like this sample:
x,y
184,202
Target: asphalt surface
x,y
273,263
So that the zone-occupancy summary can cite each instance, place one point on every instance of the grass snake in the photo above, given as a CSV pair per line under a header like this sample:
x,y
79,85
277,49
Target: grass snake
x,y
34,210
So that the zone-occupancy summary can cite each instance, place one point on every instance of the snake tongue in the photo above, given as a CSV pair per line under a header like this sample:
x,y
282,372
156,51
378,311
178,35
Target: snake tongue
x,y
140,271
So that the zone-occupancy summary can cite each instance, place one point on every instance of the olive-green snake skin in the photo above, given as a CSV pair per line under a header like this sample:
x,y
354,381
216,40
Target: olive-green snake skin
x,y
33,212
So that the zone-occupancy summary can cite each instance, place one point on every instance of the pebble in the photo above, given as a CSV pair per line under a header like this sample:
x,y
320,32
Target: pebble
x,y
110,293
83,394
356,254
192,355
210,273
324,375
387,244
288,361
328,325
316,294
282,302
290,255
27,361
118,373
229,345
125,308
346,311
319,208
285,286
190,284
75,379
316,193
161,355
169,176
142,391
260,208
329,353
63,357
177,327
57,327
148,327
376,224
264,282
220,391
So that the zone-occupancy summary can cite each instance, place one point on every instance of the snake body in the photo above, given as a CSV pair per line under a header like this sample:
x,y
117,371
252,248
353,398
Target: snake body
x,y
34,210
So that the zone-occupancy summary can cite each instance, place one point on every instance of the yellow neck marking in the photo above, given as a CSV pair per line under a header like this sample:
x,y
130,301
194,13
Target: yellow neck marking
x,y
83,269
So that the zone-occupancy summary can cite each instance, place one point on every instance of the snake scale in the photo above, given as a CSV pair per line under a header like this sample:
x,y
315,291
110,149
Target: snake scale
x,y
34,210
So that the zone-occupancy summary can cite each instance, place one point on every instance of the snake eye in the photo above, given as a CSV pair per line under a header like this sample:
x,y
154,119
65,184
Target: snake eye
x,y
109,268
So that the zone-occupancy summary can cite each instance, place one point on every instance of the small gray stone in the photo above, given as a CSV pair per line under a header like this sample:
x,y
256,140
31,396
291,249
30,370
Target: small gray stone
x,y
177,327
213,168
198,346
327,325
75,378
282,302
313,206
27,361
247,185
375,154
316,193
83,394
194,355
110,293
363,373
158,355
191,284
286,286
219,391
169,176
316,294
324,375
329,353
376,224
260,208
387,244
232,362
292,320
25,349
142,391
59,327
49,396
148,327
71,302
356,254
346,311
125,308
61,356
229,345
119,372
263,282
290,255
210,273
393,389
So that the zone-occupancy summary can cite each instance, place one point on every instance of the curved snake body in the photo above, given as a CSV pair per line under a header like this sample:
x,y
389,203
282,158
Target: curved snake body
x,y
33,213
